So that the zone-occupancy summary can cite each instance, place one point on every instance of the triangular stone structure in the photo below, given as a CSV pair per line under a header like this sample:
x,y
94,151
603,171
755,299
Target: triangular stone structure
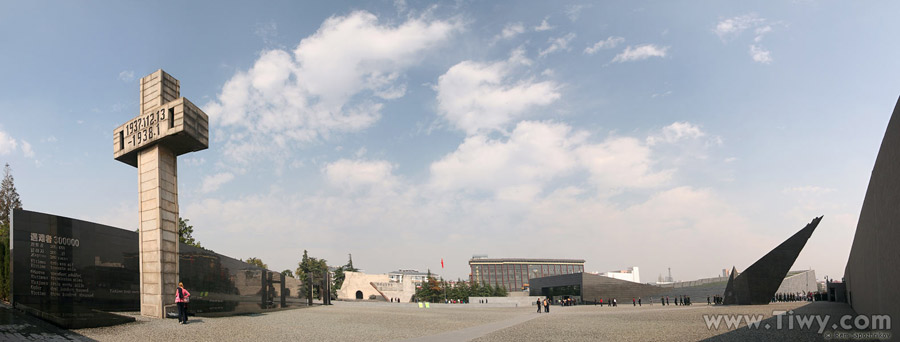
x,y
871,274
758,283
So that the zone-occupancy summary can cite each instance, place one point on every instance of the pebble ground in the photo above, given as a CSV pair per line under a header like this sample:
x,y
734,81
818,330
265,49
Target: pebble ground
x,y
366,321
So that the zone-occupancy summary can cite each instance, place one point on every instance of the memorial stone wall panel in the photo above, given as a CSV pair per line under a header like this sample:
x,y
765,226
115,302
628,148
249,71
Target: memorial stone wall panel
x,y
71,272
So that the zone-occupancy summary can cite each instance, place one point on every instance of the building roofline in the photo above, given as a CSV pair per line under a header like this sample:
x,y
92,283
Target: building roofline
x,y
524,260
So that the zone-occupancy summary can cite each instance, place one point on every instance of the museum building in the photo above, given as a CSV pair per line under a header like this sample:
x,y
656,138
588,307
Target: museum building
x,y
514,273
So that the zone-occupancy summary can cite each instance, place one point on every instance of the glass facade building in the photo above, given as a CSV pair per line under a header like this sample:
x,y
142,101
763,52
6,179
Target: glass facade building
x,y
514,273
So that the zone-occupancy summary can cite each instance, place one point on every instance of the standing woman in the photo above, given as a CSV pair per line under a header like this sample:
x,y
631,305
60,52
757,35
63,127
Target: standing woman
x,y
182,297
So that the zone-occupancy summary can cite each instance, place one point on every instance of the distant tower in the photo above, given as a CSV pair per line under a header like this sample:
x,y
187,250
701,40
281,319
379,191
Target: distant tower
x,y
669,279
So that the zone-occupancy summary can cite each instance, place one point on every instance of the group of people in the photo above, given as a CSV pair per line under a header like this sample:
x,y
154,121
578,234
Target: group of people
x,y
638,302
545,303
679,300
716,299
793,297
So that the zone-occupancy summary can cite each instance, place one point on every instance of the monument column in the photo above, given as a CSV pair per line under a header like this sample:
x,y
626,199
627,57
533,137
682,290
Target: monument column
x,y
159,229
167,126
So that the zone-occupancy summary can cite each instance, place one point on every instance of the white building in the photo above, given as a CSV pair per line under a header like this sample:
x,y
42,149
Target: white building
x,y
632,274
413,275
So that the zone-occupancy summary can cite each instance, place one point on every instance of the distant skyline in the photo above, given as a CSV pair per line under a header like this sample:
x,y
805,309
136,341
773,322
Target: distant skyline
x,y
691,136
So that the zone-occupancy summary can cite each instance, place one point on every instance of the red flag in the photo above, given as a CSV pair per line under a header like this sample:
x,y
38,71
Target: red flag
x,y
442,263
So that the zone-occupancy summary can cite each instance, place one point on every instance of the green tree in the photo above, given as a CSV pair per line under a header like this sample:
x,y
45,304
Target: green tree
x,y
311,266
185,233
287,273
9,200
431,290
339,275
257,262
349,267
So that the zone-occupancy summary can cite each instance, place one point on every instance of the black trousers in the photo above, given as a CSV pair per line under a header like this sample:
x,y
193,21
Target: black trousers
x,y
182,312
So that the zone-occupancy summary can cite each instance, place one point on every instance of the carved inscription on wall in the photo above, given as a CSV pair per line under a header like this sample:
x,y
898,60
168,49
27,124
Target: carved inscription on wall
x,y
143,129
53,272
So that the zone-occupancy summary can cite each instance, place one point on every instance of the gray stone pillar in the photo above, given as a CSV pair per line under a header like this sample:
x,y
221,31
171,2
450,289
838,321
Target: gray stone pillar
x,y
159,229
167,126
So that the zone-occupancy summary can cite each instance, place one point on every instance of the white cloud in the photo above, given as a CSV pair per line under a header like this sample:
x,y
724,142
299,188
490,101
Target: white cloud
x,y
7,143
400,5
608,43
334,82
544,26
574,11
663,94
127,75
760,54
545,178
558,44
534,153
731,27
537,152
621,162
477,97
675,132
762,31
511,30
267,32
354,174
640,52
214,182
26,149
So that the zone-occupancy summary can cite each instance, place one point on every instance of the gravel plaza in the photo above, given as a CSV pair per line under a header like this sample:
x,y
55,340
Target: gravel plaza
x,y
369,321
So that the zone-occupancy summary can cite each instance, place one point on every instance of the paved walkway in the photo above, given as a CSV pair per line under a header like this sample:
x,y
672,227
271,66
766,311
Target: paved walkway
x,y
471,333
18,326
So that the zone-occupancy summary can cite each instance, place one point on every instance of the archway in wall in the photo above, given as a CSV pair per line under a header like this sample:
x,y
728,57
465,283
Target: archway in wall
x,y
359,295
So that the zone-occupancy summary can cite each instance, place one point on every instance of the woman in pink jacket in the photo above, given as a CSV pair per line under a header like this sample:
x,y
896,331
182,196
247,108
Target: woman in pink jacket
x,y
182,296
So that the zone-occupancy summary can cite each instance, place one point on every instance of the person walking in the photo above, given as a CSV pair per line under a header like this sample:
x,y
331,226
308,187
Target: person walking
x,y
539,305
547,305
639,301
633,302
182,297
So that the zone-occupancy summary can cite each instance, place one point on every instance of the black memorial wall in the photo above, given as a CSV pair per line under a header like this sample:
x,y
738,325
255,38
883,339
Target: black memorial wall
x,y
72,272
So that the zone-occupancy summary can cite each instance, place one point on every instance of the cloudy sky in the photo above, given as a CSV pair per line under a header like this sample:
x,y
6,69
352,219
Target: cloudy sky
x,y
660,134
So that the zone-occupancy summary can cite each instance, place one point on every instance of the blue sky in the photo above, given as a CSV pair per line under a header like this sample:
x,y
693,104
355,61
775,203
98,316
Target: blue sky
x,y
694,136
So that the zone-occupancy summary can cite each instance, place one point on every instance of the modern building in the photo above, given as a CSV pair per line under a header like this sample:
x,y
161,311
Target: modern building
x,y
514,273
590,288
632,274
414,275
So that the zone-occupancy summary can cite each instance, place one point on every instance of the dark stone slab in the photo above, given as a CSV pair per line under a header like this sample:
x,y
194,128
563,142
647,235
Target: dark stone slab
x,y
871,275
758,283
73,273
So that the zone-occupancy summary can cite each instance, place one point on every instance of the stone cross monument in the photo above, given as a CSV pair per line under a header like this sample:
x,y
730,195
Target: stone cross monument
x,y
166,126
